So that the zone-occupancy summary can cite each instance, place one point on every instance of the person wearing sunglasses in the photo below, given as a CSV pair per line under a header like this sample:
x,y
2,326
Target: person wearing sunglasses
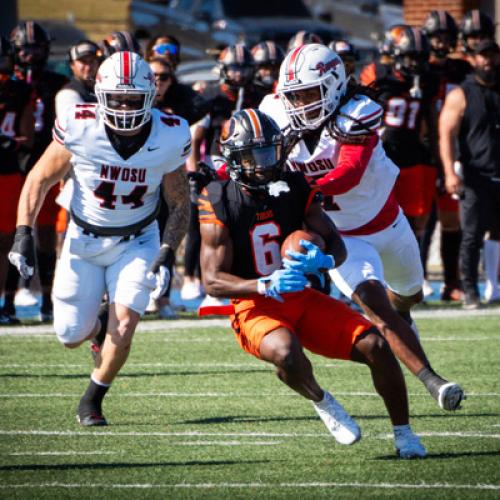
x,y
164,46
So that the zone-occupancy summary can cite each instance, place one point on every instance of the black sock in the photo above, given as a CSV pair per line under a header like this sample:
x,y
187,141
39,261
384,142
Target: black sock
x,y
450,247
431,380
91,401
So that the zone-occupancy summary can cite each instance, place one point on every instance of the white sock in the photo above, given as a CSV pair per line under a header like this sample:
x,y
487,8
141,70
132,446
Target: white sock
x,y
491,253
98,382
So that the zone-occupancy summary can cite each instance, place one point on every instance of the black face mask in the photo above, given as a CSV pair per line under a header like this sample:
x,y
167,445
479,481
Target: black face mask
x,y
490,76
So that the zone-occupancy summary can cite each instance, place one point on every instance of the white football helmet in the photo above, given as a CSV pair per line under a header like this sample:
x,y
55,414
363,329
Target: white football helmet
x,y
125,74
307,67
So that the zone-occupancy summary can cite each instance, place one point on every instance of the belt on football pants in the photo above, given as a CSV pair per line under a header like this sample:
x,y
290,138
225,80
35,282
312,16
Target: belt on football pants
x,y
127,232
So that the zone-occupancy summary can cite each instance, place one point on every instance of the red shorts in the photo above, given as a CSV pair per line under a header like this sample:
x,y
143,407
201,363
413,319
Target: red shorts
x,y
10,190
446,203
415,189
323,325
50,209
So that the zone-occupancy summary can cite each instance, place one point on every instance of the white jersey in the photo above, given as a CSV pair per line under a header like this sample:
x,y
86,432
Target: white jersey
x,y
363,202
110,191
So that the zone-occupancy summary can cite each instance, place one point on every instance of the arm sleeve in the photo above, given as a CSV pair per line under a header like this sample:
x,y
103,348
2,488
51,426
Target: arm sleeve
x,y
351,165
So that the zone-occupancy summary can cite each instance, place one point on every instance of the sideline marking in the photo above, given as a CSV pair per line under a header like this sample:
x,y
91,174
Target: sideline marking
x,y
419,486
217,395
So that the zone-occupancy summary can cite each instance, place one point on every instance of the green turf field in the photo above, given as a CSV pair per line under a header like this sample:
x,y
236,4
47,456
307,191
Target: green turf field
x,y
192,416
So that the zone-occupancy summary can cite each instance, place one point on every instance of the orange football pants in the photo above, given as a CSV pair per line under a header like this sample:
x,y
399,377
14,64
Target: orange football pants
x,y
323,325
415,189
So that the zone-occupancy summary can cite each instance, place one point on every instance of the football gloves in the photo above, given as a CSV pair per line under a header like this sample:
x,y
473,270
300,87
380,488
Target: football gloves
x,y
22,253
160,271
313,262
282,281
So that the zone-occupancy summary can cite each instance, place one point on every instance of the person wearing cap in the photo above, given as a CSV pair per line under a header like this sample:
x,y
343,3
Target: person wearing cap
x,y
471,118
84,62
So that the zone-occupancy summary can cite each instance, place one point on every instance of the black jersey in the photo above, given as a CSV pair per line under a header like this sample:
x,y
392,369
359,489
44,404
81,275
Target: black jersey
x,y
14,97
45,90
403,118
447,76
479,135
257,224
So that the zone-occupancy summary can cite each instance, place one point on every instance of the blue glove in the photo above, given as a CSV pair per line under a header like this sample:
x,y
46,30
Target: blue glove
x,y
282,281
313,262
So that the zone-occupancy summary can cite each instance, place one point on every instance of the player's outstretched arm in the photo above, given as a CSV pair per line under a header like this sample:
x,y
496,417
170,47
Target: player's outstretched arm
x,y
318,221
52,166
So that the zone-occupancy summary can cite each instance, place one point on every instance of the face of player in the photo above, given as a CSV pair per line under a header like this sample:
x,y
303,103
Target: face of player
x,y
31,54
125,102
260,164
441,44
304,97
472,41
85,68
268,74
238,74
163,79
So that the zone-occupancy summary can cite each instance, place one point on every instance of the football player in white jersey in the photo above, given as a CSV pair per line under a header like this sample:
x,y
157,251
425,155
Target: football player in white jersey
x,y
119,152
338,146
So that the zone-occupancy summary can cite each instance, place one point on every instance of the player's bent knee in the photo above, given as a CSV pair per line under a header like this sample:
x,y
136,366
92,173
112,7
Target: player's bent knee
x,y
73,334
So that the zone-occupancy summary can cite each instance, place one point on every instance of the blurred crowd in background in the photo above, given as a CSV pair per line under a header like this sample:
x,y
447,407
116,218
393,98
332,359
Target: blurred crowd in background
x,y
411,75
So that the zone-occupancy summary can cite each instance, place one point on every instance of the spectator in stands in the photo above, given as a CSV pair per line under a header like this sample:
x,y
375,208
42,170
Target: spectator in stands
x,y
84,62
471,116
164,46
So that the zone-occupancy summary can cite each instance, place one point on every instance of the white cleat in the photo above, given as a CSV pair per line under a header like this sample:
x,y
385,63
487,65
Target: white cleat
x,y
408,445
450,396
340,424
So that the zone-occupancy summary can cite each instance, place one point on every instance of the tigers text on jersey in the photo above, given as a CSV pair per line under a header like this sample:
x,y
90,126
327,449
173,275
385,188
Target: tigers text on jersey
x,y
359,205
257,224
108,190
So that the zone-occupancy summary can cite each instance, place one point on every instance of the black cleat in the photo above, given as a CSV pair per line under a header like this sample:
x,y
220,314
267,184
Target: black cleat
x,y
91,419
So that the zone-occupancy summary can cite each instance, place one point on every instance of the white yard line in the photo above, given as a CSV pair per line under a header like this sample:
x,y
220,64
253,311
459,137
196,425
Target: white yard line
x,y
211,486
214,395
57,453
182,324
320,435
